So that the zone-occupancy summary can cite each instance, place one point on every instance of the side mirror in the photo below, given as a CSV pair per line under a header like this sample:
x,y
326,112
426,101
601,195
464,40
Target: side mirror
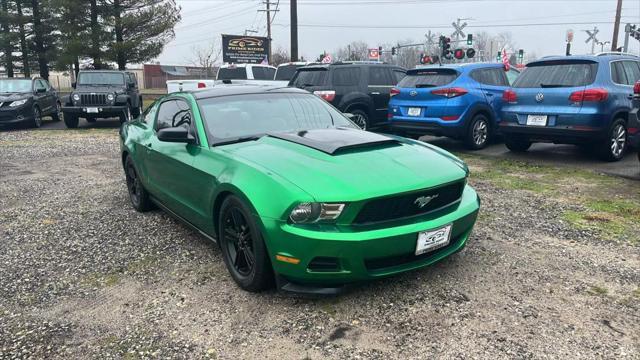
x,y
178,134
41,90
73,84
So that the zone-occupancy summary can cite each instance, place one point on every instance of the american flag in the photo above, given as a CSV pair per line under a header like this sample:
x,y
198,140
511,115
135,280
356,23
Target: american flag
x,y
265,61
505,59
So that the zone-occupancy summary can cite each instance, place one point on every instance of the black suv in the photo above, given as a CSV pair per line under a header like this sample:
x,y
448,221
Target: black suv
x,y
27,101
100,94
360,88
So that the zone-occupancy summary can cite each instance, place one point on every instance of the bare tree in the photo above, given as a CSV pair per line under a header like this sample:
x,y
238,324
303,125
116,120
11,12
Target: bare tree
x,y
354,51
280,56
206,57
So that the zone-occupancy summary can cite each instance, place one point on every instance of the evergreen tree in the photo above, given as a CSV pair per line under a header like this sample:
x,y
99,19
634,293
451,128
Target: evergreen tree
x,y
141,28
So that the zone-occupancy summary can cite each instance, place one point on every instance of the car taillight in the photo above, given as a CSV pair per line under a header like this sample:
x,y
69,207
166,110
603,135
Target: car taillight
x,y
636,88
201,85
328,95
450,92
394,92
592,95
509,96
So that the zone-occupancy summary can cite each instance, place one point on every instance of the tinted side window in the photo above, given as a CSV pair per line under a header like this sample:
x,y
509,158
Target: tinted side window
x,y
270,73
500,77
40,84
346,76
617,73
632,70
398,75
258,73
379,76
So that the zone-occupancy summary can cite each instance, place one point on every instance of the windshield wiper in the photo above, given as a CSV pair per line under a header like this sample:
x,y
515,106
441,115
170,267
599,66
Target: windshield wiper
x,y
425,85
238,140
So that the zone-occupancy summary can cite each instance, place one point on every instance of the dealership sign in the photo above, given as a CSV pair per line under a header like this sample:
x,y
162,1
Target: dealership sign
x,y
374,54
238,49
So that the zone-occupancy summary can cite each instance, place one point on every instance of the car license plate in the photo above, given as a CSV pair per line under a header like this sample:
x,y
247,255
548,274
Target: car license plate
x,y
92,110
537,120
433,239
413,111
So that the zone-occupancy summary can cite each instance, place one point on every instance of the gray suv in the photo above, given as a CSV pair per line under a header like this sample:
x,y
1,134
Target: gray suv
x,y
100,94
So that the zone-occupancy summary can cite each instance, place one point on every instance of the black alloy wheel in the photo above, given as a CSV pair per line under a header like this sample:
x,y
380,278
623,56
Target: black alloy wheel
x,y
57,115
242,246
37,117
137,194
361,119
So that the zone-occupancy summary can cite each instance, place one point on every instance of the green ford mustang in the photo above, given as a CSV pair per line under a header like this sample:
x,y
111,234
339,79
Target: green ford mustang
x,y
293,191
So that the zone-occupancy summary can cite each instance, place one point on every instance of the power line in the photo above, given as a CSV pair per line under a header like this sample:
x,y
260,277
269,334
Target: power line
x,y
349,26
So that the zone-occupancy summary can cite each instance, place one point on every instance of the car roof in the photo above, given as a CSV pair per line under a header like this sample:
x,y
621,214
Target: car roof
x,y
595,58
348,63
19,78
242,89
107,71
464,66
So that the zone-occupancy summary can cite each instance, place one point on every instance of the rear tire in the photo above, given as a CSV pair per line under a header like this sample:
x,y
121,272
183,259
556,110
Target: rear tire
x,y
360,118
57,115
613,148
37,117
478,134
516,143
71,120
242,246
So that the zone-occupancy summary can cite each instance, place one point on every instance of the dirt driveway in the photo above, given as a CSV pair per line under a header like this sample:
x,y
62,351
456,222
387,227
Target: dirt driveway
x,y
551,271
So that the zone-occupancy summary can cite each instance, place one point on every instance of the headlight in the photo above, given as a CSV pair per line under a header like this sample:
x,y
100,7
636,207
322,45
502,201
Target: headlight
x,y
315,212
76,97
110,97
18,103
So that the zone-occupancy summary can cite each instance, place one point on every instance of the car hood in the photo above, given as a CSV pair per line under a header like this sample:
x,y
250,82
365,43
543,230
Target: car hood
x,y
7,97
98,89
370,166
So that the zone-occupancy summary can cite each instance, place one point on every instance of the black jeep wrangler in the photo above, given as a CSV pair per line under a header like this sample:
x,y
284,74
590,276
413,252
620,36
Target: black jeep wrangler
x,y
100,94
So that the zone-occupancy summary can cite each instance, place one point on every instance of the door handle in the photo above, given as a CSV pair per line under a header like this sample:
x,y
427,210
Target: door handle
x,y
489,94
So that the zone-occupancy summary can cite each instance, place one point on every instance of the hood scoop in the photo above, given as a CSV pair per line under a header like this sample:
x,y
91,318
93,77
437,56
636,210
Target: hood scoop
x,y
332,141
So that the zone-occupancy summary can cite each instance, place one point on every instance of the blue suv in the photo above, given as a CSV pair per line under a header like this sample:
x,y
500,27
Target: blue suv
x,y
461,101
582,100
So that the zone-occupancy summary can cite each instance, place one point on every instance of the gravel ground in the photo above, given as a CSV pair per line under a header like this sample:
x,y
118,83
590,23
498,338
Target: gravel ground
x,y
82,275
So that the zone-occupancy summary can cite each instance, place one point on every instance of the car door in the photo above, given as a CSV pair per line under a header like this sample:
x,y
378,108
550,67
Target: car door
x,y
493,82
40,96
169,166
132,89
380,83
52,96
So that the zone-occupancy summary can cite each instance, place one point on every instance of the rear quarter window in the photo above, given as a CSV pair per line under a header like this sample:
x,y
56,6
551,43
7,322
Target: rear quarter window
x,y
428,78
346,76
557,74
309,77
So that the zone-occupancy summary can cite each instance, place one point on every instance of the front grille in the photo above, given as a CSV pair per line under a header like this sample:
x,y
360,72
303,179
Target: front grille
x,y
391,261
93,99
407,205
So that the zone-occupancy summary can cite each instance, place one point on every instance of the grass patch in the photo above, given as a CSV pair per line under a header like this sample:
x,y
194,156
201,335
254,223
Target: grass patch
x,y
597,291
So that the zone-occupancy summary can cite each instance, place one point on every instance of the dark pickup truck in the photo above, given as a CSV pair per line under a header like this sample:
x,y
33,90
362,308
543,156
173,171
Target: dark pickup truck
x,y
100,94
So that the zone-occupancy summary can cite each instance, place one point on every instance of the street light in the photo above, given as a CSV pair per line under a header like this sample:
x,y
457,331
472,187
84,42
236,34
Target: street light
x,y
602,44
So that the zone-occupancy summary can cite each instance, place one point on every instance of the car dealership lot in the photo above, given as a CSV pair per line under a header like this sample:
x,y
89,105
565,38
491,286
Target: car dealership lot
x,y
553,269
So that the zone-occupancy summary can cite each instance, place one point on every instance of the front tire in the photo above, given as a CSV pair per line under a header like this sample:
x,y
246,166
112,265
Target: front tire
x,y
137,194
614,147
478,133
57,115
242,246
126,115
37,117
516,143
135,112
71,120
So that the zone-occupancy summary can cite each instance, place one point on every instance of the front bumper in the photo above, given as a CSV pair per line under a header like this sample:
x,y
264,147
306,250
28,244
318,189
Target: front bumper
x,y
10,117
103,110
362,255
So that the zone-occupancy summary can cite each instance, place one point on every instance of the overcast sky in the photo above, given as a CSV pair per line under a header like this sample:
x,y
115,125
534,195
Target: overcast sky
x,y
329,24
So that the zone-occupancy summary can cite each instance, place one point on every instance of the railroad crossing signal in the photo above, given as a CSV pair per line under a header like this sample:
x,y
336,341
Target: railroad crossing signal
x,y
592,35
458,33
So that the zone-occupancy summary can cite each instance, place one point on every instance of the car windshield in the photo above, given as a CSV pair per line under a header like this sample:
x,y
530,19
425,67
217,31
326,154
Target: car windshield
x,y
232,73
15,86
240,116
428,78
309,77
100,78
557,74
286,72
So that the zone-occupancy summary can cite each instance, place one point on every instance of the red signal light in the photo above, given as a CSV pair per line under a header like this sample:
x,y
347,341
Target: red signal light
x,y
458,54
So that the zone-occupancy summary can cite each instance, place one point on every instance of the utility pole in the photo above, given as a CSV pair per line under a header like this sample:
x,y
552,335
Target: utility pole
x,y
627,35
268,10
616,27
294,30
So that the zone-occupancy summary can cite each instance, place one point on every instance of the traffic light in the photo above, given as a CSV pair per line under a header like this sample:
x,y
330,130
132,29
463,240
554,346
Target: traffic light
x,y
471,52
446,47
469,39
380,49
394,51
458,54
435,59
520,54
